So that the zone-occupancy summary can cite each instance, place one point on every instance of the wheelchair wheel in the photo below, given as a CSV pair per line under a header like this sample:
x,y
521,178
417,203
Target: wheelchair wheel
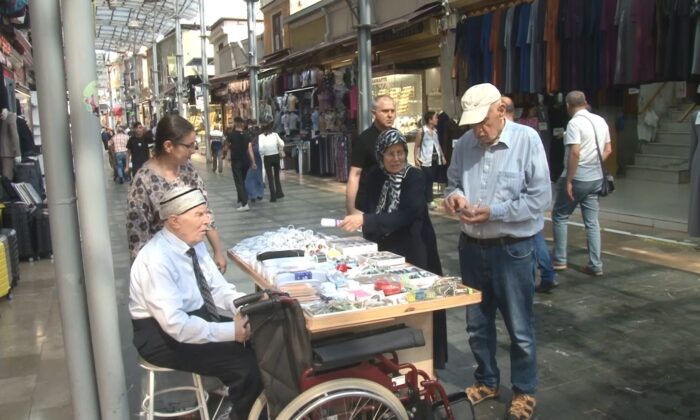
x,y
257,410
345,399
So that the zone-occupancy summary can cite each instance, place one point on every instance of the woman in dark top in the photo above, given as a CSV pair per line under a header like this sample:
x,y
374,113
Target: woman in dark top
x,y
395,216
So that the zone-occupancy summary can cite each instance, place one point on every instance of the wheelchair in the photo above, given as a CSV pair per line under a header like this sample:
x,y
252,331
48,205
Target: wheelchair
x,y
342,377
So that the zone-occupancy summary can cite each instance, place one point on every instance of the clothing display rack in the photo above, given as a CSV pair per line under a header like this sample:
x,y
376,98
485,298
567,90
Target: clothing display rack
x,y
330,155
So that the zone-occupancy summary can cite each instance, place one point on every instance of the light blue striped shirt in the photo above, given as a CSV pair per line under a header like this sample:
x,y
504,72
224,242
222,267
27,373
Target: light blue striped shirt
x,y
511,177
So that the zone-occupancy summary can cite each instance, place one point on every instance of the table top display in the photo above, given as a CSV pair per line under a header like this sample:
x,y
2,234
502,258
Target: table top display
x,y
345,281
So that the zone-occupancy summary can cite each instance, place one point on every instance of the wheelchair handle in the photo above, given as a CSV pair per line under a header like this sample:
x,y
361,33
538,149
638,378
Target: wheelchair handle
x,y
250,298
258,306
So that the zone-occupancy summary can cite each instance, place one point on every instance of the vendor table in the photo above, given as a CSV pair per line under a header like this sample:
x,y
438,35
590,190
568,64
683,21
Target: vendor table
x,y
417,314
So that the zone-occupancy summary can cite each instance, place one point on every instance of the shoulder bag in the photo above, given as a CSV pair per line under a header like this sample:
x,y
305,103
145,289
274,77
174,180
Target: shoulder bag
x,y
608,185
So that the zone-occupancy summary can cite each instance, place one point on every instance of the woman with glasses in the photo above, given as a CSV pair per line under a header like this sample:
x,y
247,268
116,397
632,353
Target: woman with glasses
x,y
394,215
170,167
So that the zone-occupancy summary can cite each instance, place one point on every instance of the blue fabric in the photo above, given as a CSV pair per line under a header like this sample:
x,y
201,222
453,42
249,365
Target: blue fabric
x,y
505,274
254,180
544,262
487,54
524,48
120,163
585,195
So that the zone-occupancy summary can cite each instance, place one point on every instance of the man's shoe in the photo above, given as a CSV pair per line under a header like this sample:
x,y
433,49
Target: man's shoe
x,y
280,195
559,267
243,208
591,272
546,287
480,392
522,407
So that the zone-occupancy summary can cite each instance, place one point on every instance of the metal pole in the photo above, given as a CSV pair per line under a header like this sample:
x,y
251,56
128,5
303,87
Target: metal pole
x,y
178,61
205,79
156,87
111,98
253,60
364,50
135,86
79,38
53,112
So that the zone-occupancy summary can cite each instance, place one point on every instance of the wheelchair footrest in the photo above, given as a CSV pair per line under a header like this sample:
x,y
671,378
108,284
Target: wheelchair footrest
x,y
361,347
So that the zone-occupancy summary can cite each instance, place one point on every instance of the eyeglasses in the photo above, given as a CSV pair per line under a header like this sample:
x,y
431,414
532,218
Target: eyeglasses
x,y
191,146
395,155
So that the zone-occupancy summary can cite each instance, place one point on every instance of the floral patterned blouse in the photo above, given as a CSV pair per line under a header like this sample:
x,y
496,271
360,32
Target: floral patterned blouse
x,y
146,190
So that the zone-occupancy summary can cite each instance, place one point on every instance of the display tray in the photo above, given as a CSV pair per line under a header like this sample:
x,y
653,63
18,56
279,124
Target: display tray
x,y
350,318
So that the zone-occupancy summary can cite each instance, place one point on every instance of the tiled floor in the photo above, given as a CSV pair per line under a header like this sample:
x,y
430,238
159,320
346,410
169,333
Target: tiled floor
x,y
622,346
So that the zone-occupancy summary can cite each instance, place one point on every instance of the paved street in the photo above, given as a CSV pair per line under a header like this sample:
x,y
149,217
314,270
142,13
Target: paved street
x,y
622,346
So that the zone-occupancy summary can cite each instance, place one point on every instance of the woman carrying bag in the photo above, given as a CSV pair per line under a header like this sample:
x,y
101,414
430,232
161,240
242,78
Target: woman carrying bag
x,y
271,149
428,153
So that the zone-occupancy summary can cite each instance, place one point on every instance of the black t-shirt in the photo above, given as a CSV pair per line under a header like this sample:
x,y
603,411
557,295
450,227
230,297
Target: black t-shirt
x,y
364,148
238,145
138,147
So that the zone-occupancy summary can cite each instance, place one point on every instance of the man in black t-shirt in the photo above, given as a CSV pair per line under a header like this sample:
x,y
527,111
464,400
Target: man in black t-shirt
x,y
238,142
363,150
137,146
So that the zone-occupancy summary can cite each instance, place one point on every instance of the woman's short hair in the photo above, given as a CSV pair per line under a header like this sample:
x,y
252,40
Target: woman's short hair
x,y
173,128
428,116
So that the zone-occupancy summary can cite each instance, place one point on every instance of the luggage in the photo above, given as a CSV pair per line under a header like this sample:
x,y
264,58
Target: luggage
x,y
41,233
4,269
16,216
29,171
13,249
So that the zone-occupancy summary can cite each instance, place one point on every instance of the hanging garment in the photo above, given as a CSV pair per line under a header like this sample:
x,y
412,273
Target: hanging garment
x,y
553,46
524,48
487,55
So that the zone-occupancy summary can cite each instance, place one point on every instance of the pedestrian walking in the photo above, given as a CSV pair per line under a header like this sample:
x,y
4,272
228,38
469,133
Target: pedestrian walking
x,y
271,148
587,142
241,156
428,153
139,147
498,185
694,216
254,185
117,145
216,137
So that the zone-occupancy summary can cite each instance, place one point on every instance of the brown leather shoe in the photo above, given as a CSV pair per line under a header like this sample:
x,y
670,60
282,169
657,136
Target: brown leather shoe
x,y
522,407
480,392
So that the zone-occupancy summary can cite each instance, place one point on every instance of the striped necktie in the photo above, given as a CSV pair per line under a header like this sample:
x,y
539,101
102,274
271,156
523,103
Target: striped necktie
x,y
209,305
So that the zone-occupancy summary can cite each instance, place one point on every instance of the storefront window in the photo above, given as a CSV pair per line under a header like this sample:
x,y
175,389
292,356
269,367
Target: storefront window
x,y
407,91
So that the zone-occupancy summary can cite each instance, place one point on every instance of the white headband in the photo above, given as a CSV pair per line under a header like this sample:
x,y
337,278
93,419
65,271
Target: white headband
x,y
179,200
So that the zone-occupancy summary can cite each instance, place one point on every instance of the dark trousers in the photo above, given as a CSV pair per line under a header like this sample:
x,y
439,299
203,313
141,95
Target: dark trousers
x,y
239,172
233,363
272,168
429,175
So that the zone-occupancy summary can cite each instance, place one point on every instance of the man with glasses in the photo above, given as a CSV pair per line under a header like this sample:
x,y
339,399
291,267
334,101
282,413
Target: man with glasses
x,y
498,186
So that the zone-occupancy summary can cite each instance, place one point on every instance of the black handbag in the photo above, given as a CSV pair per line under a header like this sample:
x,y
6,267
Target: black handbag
x,y
608,185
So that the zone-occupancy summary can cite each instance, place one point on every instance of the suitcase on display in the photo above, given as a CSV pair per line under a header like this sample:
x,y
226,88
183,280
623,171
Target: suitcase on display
x,y
17,216
4,270
41,233
29,171
13,249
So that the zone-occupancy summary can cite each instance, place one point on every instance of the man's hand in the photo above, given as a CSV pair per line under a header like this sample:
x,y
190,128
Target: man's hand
x,y
352,222
476,215
242,326
220,261
254,166
417,161
443,160
454,202
570,190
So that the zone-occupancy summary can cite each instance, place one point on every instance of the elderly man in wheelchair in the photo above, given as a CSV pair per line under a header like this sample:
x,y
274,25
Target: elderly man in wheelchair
x,y
175,296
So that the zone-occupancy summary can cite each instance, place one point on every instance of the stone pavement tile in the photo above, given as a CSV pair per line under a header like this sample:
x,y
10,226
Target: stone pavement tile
x,y
64,412
18,388
52,388
17,410
18,366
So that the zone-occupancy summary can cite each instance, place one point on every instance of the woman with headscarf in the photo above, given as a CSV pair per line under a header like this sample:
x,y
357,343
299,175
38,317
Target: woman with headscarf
x,y
170,167
396,218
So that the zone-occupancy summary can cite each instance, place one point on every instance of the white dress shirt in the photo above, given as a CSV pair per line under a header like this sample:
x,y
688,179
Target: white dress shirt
x,y
163,286
511,177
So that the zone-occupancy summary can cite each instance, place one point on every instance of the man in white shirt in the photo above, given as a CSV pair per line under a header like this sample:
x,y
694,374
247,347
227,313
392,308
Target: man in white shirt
x,y
176,297
581,180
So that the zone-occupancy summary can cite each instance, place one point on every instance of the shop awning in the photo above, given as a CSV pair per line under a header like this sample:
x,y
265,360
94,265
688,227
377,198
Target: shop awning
x,y
424,12
235,74
197,61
